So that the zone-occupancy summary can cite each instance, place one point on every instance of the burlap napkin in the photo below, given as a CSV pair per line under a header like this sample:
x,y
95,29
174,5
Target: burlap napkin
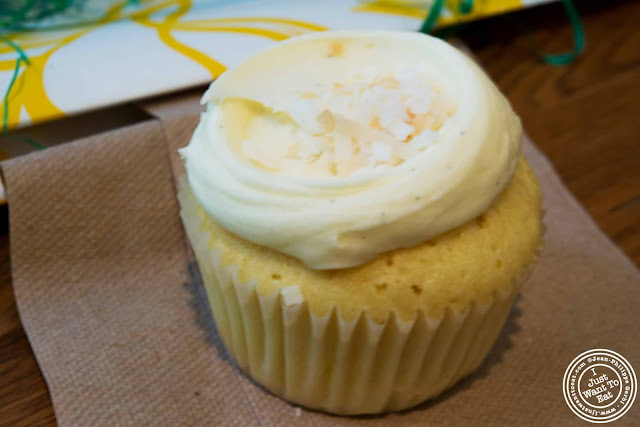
x,y
114,308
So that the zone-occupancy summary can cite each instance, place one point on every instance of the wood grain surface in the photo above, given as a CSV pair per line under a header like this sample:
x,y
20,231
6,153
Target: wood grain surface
x,y
583,116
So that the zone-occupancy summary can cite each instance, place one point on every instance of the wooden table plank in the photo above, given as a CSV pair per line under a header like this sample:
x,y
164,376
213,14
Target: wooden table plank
x,y
583,116
24,398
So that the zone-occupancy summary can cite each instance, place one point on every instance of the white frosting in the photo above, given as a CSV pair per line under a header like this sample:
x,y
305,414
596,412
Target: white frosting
x,y
254,161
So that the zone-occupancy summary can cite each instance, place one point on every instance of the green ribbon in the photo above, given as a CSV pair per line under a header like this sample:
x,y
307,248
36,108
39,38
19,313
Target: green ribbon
x,y
16,70
22,57
579,38
13,18
432,16
466,6
32,11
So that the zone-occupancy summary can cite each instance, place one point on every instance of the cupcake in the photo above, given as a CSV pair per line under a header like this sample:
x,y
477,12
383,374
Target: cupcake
x,y
361,216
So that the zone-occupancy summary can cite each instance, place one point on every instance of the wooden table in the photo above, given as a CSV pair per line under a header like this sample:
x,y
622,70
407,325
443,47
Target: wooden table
x,y
583,116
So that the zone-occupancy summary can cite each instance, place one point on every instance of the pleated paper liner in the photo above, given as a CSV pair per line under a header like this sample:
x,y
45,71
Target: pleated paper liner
x,y
326,363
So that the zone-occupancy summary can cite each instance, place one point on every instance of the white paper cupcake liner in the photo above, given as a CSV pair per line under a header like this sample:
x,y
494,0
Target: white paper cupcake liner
x,y
326,363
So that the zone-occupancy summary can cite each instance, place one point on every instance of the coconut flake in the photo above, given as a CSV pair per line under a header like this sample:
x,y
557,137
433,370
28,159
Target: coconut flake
x,y
400,129
373,120
419,103
426,138
381,152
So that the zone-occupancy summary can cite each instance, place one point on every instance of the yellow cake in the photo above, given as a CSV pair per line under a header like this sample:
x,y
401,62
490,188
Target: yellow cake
x,y
372,317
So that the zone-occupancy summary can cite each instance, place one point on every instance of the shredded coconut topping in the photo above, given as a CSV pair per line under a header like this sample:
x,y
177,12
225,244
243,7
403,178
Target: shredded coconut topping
x,y
370,121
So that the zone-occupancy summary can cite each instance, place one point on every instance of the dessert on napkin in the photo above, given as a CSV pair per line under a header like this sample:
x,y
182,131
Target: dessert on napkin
x,y
361,215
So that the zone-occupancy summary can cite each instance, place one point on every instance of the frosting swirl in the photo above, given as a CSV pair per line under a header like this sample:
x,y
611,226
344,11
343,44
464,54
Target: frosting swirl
x,y
273,167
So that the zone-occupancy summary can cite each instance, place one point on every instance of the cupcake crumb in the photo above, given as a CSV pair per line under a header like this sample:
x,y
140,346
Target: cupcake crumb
x,y
298,411
381,287
417,289
291,295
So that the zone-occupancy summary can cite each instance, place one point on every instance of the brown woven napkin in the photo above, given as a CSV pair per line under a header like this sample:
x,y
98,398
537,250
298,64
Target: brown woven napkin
x,y
115,312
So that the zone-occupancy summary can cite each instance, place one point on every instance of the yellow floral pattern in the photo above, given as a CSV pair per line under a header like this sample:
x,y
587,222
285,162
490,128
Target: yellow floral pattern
x,y
28,91
165,17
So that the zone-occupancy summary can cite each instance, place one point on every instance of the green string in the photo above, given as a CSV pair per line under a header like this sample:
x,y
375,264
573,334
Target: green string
x,y
11,19
32,11
33,143
579,38
16,70
466,7
14,20
432,16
